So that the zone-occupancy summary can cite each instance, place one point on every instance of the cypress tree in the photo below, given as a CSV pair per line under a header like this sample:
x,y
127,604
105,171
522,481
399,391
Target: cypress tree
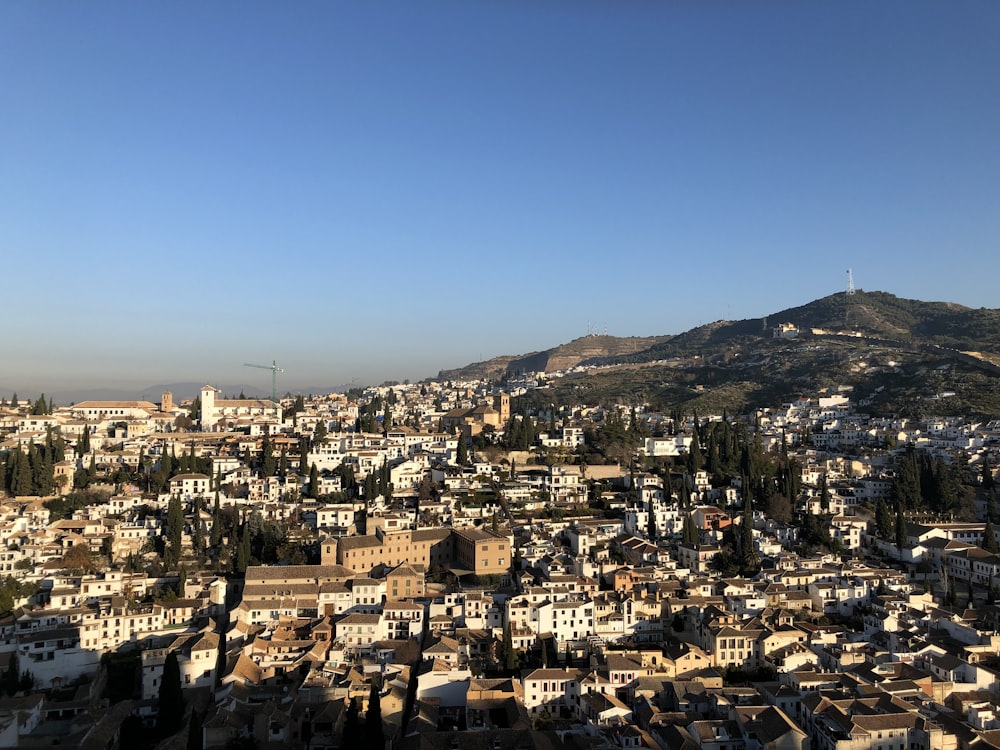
x,y
166,463
824,494
352,726
374,729
40,406
462,456
175,531
989,537
691,535
268,464
906,482
511,661
528,434
12,676
216,534
695,460
313,482
750,560
170,701
883,519
20,483
196,740
242,558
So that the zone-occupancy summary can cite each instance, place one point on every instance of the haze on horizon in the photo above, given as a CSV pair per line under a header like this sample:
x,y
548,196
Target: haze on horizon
x,y
373,191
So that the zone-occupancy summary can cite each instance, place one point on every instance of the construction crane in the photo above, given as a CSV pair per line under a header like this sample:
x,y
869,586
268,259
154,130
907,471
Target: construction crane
x,y
273,367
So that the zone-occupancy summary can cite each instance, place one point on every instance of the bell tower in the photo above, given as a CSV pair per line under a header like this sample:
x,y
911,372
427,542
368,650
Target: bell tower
x,y
501,403
207,420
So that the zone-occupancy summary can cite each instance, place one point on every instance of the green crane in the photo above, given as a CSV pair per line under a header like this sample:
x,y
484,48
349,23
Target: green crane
x,y
273,367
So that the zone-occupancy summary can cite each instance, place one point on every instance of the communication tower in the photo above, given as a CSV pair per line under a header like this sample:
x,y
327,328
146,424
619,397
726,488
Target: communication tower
x,y
847,299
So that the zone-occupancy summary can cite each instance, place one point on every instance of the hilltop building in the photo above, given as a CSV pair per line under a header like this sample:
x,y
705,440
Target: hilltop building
x,y
470,422
216,411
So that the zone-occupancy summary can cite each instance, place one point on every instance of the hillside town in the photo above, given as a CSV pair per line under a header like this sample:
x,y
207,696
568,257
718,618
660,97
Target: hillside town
x,y
468,565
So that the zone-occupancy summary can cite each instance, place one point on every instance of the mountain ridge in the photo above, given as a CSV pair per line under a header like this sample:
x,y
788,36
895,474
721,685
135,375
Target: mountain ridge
x,y
877,314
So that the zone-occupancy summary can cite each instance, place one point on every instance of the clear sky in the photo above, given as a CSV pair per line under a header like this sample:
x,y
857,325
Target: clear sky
x,y
378,190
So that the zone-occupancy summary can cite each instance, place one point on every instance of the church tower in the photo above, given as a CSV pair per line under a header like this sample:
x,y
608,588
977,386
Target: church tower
x,y
501,404
207,420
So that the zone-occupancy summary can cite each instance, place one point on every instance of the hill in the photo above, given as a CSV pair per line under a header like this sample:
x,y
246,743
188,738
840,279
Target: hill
x,y
897,355
584,350
877,315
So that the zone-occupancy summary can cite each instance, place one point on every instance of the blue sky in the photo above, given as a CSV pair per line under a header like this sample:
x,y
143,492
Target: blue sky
x,y
377,190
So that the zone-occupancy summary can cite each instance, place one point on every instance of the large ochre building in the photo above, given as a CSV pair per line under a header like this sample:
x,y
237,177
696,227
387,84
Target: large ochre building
x,y
463,550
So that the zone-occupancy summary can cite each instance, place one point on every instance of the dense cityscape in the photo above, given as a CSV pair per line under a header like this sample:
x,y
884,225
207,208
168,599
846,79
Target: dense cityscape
x,y
547,375
445,564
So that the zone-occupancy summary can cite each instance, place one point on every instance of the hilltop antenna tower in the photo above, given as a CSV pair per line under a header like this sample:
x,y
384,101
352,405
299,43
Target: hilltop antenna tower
x,y
847,298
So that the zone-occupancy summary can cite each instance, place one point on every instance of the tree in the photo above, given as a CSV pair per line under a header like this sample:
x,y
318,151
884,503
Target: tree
x,y
12,676
824,494
695,460
462,456
175,531
749,559
725,563
268,464
170,701
691,535
313,482
40,407
511,660
242,558
196,740
779,507
352,726
19,482
78,557
319,434
883,519
303,456
374,729
906,489
990,537
215,536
